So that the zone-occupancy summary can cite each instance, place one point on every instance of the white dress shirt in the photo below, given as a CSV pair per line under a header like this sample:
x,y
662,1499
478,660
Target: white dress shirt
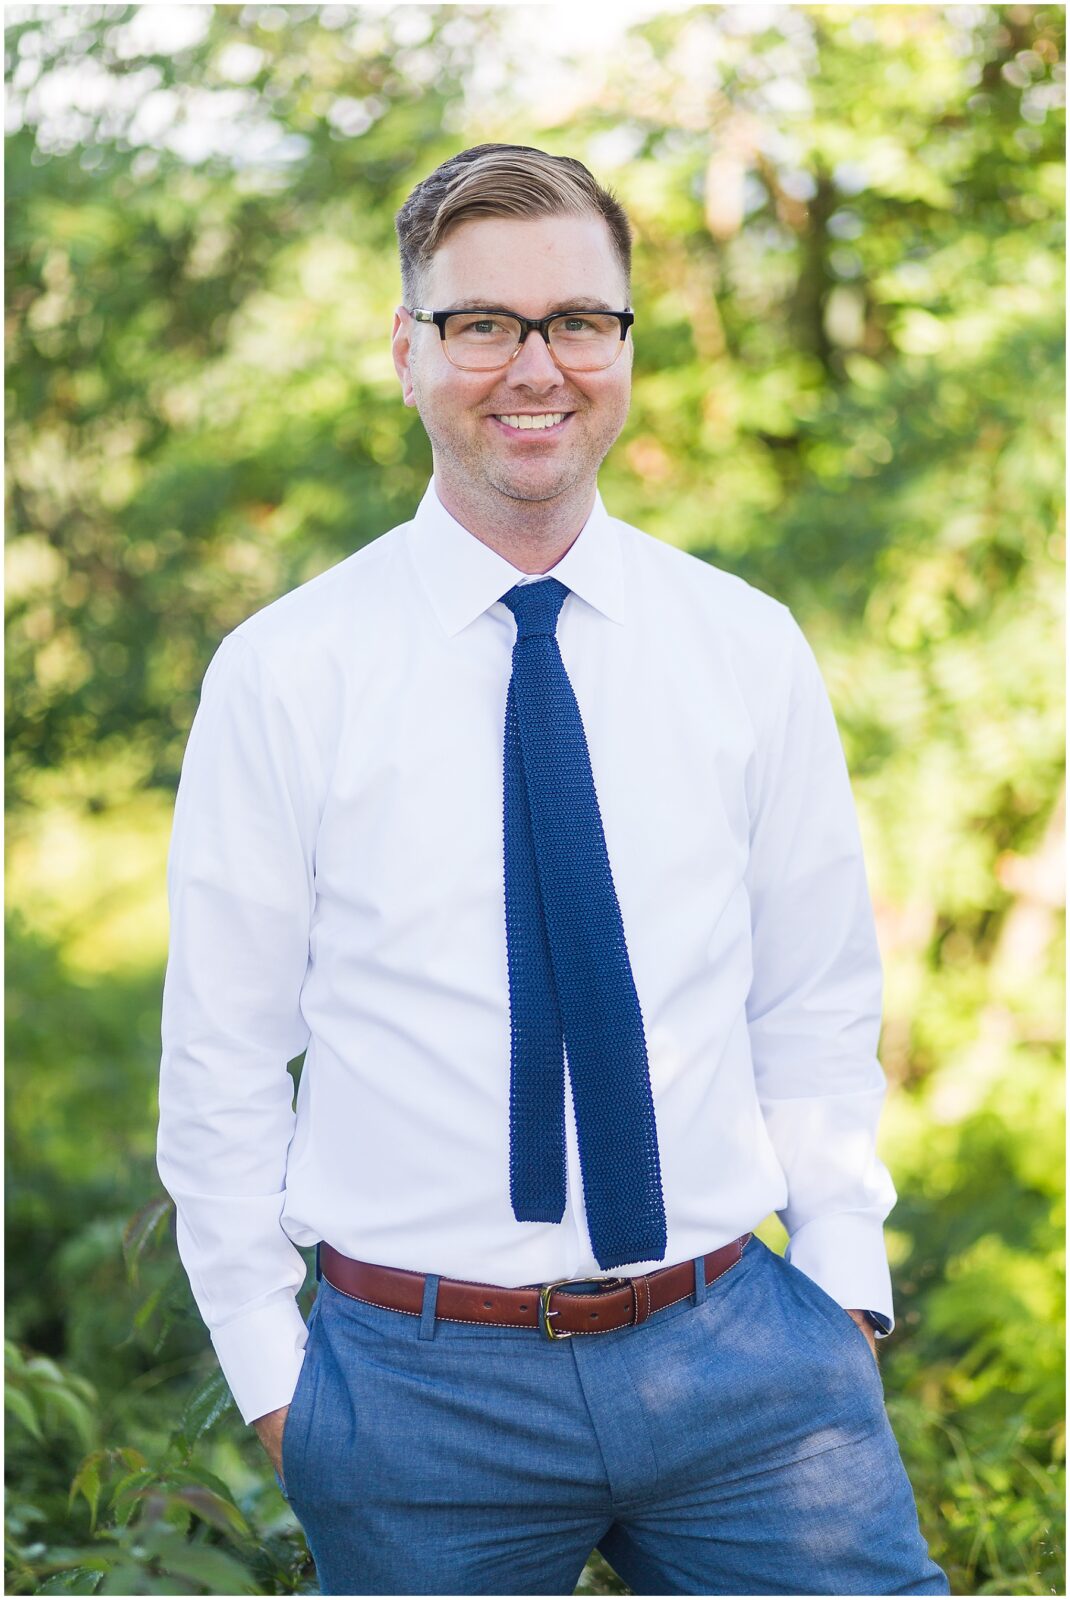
x,y
336,884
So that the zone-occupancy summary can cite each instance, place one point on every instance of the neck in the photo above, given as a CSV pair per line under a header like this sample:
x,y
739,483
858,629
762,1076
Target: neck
x,y
532,535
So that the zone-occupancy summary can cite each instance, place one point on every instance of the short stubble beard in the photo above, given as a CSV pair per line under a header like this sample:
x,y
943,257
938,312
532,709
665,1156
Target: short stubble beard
x,y
523,527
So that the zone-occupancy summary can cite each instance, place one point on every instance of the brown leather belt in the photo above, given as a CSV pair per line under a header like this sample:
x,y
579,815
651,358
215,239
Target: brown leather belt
x,y
622,1303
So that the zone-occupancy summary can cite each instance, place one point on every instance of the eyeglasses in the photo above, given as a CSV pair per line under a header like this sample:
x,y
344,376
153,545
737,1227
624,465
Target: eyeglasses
x,y
481,341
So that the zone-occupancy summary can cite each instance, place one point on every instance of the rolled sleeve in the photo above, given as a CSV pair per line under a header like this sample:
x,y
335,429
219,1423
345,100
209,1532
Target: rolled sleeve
x,y
814,1006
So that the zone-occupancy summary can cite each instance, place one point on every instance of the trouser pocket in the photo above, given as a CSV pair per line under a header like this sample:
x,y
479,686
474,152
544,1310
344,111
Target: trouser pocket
x,y
295,1427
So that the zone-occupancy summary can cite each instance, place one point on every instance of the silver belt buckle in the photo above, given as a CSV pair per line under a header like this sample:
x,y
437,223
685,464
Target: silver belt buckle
x,y
559,1283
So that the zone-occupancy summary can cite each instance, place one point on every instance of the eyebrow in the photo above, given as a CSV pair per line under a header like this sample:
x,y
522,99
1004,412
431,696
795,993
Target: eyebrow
x,y
583,302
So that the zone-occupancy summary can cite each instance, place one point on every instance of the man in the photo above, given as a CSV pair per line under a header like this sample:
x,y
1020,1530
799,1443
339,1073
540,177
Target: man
x,y
536,835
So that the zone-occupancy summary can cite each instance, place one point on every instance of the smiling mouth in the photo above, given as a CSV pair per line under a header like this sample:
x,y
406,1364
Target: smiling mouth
x,y
531,422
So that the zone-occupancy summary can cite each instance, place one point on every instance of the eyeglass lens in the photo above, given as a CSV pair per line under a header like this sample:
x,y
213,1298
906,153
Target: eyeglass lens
x,y
584,341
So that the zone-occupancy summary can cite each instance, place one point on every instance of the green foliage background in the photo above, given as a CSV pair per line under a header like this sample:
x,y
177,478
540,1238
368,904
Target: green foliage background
x,y
848,387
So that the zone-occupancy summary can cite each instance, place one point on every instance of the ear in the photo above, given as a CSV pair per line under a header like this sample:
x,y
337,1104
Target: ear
x,y
400,349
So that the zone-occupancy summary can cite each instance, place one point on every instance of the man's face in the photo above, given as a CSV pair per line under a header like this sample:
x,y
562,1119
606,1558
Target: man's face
x,y
531,265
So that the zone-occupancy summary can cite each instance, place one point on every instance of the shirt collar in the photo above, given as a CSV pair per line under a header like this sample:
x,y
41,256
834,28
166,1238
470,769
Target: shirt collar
x,y
463,576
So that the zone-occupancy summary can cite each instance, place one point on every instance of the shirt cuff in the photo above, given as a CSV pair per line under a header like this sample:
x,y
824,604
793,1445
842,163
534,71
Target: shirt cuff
x,y
845,1255
261,1355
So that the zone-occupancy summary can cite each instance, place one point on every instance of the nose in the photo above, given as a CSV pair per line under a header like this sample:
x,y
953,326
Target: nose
x,y
533,367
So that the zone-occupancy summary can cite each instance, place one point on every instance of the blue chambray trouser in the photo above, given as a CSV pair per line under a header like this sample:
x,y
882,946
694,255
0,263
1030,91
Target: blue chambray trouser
x,y
735,1443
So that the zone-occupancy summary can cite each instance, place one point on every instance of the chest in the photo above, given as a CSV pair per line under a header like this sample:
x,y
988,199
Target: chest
x,y
412,821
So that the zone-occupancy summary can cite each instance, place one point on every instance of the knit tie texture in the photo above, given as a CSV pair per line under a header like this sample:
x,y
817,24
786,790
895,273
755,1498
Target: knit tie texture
x,y
570,979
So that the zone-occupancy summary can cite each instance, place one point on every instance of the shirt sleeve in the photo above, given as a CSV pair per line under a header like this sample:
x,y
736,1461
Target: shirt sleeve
x,y
240,889
814,1006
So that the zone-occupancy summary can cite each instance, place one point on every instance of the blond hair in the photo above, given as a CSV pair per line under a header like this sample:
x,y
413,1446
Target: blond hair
x,y
500,180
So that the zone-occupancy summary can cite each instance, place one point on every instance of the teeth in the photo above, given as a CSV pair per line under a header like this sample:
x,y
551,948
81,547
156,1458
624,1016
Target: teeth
x,y
546,420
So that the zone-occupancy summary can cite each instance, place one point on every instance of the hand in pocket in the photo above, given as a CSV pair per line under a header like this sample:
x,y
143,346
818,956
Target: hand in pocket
x,y
270,1429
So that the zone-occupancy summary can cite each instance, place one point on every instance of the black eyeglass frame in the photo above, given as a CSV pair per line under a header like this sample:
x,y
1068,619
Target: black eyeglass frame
x,y
540,325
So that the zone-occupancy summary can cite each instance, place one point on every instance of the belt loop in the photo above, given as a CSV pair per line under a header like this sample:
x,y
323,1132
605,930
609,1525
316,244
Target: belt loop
x,y
427,1315
319,1269
700,1279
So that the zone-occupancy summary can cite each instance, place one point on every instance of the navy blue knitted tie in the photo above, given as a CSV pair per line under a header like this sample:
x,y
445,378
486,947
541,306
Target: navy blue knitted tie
x,y
570,980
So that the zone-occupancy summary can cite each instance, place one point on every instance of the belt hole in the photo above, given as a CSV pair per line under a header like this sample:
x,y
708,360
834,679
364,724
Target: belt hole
x,y
487,1305
523,1308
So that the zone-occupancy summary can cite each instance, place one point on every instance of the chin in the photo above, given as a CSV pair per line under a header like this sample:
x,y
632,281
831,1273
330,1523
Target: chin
x,y
513,491
532,486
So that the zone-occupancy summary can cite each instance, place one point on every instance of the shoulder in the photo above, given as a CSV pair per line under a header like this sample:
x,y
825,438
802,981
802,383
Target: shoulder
x,y
294,662
321,616
728,632
722,605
